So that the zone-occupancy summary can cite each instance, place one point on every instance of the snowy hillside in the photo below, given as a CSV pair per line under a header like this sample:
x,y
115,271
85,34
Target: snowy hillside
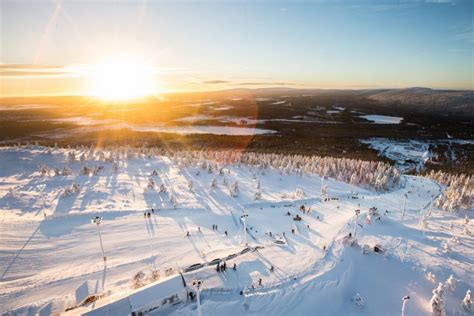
x,y
306,253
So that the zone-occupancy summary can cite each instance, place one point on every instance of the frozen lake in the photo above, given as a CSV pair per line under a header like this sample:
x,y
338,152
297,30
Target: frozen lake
x,y
382,119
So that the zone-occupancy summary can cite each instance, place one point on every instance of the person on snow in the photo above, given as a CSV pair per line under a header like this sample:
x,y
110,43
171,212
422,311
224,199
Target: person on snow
x,y
188,234
225,232
260,281
271,269
234,267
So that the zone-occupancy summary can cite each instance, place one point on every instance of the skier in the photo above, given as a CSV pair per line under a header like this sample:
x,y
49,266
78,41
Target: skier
x,y
188,234
149,215
153,211
260,281
234,267
225,232
199,229
271,269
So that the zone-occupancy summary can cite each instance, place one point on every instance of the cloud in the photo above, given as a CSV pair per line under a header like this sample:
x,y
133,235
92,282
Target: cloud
x,y
265,84
215,81
237,82
28,70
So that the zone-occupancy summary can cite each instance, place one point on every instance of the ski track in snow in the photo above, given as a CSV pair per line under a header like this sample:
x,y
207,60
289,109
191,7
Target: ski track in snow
x,y
44,259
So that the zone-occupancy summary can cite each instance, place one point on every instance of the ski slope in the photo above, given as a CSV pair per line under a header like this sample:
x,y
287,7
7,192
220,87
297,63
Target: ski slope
x,y
49,246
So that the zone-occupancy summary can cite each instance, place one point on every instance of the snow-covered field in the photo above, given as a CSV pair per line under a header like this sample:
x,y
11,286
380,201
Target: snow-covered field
x,y
49,245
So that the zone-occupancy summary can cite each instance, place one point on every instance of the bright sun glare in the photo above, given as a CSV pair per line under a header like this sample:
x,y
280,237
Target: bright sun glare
x,y
121,79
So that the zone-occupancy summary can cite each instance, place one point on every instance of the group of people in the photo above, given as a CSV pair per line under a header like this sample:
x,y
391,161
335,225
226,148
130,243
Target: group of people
x,y
148,214
221,267
304,209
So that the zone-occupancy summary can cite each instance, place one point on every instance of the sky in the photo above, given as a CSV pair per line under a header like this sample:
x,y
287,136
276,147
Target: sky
x,y
47,47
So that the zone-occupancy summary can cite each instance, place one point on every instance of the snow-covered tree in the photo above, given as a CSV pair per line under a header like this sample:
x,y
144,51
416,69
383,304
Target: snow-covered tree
x,y
151,184
43,170
458,191
357,299
73,189
445,246
173,201
162,188
466,303
71,156
430,276
66,171
234,189
299,193
467,231
450,283
437,301
138,280
324,191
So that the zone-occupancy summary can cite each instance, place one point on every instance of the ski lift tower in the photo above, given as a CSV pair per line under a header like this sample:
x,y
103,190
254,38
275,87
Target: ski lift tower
x,y
244,220
405,300
404,204
357,213
97,220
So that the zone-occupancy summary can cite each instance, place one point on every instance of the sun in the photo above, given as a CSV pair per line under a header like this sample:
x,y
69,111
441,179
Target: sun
x,y
121,79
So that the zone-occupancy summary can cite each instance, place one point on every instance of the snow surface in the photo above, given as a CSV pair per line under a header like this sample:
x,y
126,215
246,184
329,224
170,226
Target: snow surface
x,y
44,259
